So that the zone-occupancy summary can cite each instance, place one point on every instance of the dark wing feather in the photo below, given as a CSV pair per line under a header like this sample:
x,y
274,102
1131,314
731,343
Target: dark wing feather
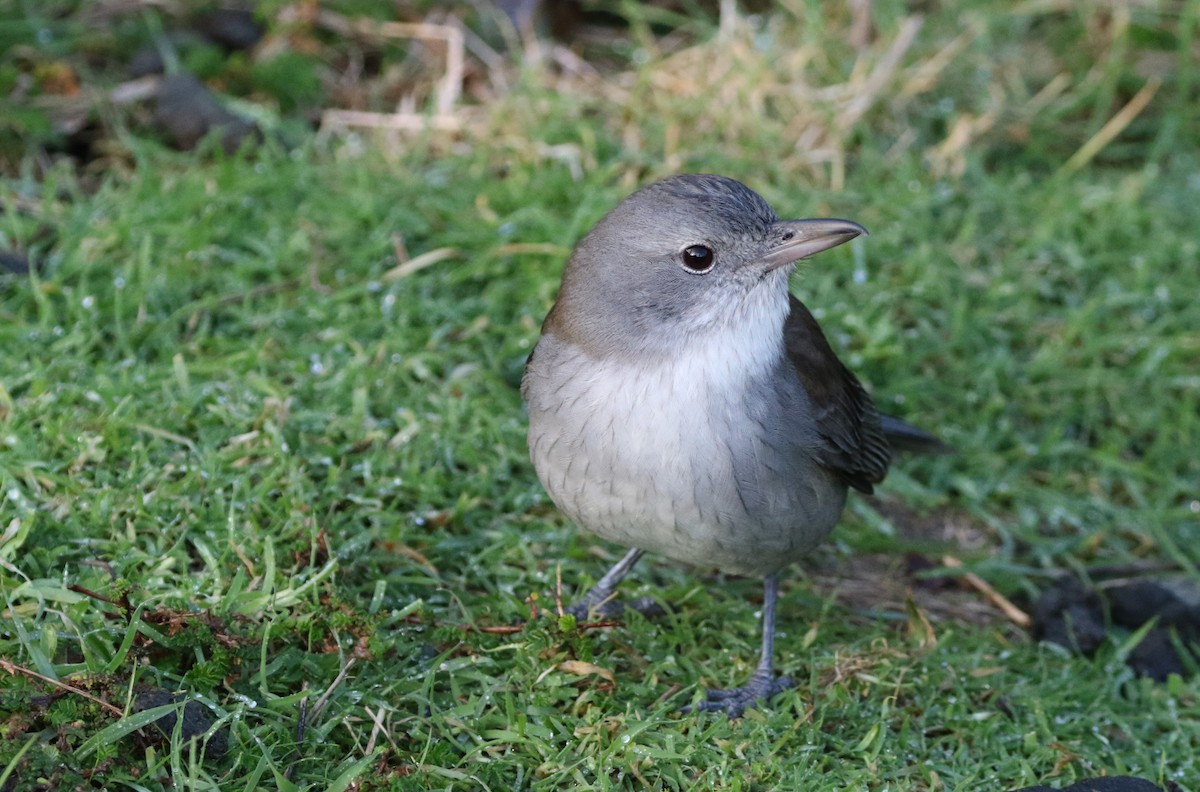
x,y
903,436
853,444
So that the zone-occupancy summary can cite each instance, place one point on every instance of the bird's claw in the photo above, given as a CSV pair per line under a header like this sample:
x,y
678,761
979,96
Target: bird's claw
x,y
735,701
610,608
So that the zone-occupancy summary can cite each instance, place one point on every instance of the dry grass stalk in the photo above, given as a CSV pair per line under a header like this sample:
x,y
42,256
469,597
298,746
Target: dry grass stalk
x,y
427,259
771,83
734,87
1114,126
447,93
1010,611
13,669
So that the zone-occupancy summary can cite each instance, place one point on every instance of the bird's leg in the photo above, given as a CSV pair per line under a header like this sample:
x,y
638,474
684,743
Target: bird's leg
x,y
599,601
762,683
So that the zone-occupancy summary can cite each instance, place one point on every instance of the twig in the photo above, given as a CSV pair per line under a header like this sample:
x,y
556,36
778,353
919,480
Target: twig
x,y
1012,612
1114,126
125,606
377,729
419,263
302,715
926,73
558,606
449,87
315,712
14,669
865,92
408,122
135,90
451,84
674,688
497,629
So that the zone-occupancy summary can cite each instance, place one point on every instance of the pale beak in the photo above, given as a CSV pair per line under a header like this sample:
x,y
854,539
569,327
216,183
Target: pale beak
x,y
793,240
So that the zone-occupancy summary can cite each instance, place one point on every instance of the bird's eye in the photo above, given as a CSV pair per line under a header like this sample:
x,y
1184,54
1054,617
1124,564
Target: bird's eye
x,y
697,258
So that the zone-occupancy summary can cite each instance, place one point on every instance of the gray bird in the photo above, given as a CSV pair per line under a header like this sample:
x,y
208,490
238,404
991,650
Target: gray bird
x,y
683,402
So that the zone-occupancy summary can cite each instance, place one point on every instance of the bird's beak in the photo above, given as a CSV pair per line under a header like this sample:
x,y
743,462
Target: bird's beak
x,y
793,240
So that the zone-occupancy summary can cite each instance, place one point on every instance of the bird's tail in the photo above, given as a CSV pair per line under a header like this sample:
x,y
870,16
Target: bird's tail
x,y
902,436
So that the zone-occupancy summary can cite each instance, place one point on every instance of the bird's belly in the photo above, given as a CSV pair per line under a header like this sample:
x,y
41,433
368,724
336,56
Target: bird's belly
x,y
675,479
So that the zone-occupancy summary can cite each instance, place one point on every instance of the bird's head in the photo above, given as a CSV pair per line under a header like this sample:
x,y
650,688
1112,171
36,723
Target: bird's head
x,y
681,257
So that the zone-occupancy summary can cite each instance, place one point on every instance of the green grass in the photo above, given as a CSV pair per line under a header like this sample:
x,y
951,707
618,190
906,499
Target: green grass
x,y
278,462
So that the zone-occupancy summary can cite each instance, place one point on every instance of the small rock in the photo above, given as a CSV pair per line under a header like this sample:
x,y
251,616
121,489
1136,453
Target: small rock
x,y
14,262
1157,656
148,59
197,720
231,28
187,111
1070,615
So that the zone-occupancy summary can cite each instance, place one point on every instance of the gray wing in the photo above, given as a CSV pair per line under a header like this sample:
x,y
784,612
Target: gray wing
x,y
853,444
856,439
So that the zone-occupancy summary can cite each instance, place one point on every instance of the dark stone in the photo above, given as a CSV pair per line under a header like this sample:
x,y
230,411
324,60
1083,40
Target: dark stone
x,y
231,28
14,262
197,719
1158,655
187,111
148,59
1070,615
1137,603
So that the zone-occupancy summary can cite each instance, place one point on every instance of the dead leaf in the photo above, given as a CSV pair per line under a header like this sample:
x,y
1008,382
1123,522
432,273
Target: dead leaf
x,y
580,668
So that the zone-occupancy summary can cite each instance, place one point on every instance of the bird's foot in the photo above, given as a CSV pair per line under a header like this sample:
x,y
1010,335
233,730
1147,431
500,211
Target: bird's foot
x,y
734,701
590,608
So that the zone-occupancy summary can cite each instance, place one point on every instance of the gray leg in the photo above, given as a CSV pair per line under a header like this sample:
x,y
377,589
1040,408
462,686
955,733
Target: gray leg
x,y
599,600
762,683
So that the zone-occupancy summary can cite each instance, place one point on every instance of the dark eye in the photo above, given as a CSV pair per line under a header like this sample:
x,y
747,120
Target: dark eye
x,y
697,258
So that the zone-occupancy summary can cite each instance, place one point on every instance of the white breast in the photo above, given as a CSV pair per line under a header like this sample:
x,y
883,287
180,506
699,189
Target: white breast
x,y
661,454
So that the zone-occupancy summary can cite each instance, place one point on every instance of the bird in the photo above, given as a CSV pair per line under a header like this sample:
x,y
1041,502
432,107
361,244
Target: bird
x,y
682,402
